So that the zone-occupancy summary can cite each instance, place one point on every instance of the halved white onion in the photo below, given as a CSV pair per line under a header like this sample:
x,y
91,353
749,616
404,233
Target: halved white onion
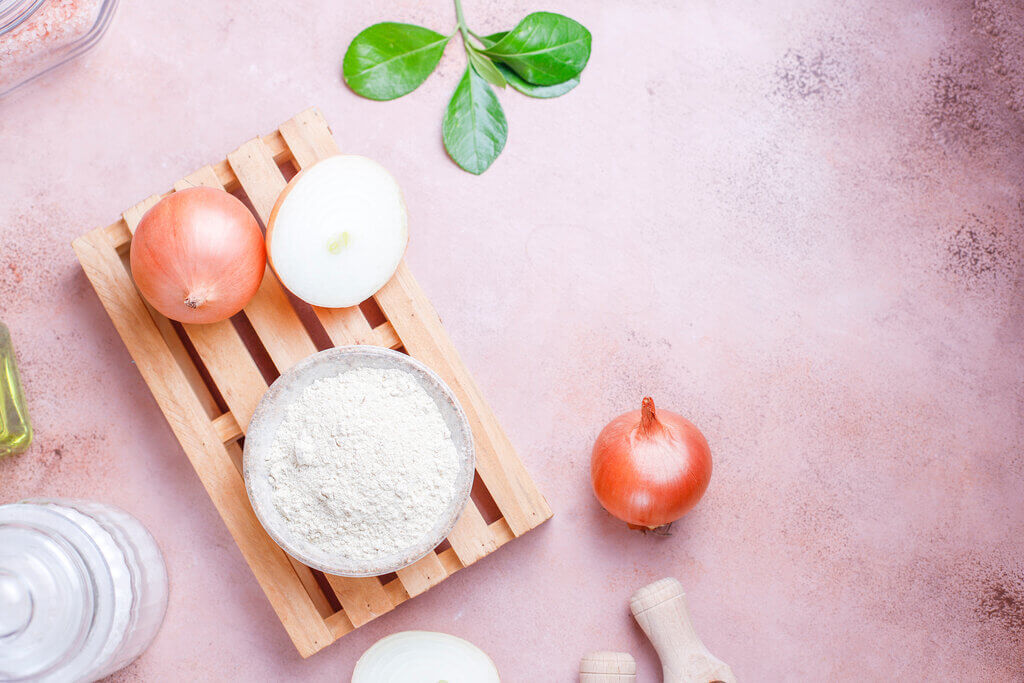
x,y
338,231
424,657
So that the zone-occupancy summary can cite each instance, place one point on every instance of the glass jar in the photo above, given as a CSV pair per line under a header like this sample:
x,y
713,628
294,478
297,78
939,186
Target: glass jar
x,y
38,35
83,590
15,429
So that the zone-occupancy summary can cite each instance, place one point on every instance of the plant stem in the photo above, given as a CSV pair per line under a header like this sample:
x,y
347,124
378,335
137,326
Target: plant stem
x,y
461,18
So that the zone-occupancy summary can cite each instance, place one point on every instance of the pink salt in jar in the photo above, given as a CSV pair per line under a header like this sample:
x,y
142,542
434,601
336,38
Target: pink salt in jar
x,y
38,35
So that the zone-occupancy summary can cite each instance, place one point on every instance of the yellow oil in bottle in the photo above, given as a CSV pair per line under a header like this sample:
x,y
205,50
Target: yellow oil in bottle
x,y
15,430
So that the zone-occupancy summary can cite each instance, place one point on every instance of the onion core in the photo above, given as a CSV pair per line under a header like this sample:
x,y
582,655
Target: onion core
x,y
650,468
198,255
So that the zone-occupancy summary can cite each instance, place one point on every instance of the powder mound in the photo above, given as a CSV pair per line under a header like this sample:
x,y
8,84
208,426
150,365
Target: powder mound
x,y
363,464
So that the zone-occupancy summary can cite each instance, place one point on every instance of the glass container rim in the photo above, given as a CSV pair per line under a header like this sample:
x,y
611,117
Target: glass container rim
x,y
14,12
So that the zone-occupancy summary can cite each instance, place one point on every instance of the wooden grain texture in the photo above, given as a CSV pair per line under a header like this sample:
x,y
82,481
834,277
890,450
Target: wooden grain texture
x,y
270,313
209,436
195,432
661,611
309,137
420,329
422,574
227,428
608,667
221,347
363,598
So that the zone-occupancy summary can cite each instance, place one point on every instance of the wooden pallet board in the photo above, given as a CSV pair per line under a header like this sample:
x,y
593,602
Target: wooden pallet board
x,y
208,379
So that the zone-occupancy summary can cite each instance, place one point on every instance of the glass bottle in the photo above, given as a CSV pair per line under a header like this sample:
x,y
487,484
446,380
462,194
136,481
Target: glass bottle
x,y
15,430
83,590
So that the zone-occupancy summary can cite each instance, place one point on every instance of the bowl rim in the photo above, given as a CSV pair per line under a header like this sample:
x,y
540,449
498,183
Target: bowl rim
x,y
267,416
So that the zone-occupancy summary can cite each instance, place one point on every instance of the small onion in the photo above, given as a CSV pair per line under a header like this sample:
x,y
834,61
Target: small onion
x,y
650,469
424,656
198,255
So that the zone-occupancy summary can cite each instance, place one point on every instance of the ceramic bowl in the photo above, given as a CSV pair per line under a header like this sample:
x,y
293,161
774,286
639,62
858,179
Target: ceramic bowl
x,y
271,411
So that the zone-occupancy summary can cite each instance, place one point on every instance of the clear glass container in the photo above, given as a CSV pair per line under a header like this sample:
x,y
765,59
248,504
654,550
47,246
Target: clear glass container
x,y
83,590
15,429
38,35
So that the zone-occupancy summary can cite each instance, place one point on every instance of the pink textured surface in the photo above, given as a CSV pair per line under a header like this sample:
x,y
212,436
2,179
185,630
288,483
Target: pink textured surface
x,y
798,225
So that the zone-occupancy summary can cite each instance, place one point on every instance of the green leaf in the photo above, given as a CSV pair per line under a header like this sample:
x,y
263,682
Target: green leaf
x,y
486,68
474,128
489,41
538,91
520,84
389,60
545,48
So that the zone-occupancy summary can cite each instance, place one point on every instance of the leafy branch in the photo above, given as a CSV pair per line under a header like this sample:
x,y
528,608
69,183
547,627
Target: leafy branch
x,y
542,57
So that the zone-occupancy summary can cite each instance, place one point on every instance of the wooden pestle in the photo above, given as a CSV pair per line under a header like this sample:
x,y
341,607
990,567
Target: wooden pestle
x,y
607,667
660,609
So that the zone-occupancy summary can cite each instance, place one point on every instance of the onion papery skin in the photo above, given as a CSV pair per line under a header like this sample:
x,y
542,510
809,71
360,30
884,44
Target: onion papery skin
x,y
198,256
650,468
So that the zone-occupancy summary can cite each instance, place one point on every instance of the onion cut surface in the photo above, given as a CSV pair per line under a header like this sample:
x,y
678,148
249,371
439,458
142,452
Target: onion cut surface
x,y
424,657
338,231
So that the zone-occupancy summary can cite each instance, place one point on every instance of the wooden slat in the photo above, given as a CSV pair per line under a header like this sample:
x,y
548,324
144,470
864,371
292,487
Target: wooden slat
x,y
385,335
310,140
221,348
195,432
395,590
180,353
309,137
450,561
470,538
259,176
270,312
133,215
277,325
345,325
339,624
422,574
417,324
227,428
118,235
363,599
273,141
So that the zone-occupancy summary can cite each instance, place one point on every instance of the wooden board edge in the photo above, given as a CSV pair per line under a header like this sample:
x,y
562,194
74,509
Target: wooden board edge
x,y
293,605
